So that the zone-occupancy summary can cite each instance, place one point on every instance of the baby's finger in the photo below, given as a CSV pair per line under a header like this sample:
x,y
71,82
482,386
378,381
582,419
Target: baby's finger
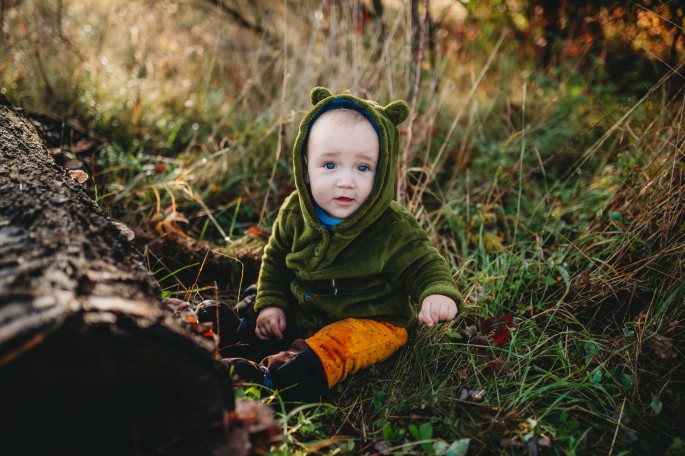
x,y
425,317
436,312
452,312
444,311
275,329
260,333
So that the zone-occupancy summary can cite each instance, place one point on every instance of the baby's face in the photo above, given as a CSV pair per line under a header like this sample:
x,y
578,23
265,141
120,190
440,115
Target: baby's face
x,y
341,164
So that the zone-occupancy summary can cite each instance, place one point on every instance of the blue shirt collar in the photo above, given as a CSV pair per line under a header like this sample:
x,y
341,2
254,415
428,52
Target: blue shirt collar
x,y
327,221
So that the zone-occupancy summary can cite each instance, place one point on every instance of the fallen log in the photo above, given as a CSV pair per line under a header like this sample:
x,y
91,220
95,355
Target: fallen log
x,y
91,361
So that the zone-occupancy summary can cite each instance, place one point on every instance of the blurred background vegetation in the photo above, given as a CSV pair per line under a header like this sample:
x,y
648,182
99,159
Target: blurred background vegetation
x,y
544,155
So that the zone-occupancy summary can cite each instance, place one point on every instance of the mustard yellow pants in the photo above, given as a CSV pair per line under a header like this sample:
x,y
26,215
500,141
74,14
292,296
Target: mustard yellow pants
x,y
348,345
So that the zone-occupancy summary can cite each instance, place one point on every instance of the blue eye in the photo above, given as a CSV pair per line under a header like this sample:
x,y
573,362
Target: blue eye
x,y
363,168
329,165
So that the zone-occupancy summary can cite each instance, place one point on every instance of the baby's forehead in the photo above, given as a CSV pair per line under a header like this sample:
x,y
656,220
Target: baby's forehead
x,y
342,116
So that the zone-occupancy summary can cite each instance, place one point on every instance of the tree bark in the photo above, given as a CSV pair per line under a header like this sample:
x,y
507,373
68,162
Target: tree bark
x,y
91,362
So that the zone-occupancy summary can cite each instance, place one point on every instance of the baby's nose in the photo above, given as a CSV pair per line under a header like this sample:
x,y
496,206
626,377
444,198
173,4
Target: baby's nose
x,y
345,179
345,183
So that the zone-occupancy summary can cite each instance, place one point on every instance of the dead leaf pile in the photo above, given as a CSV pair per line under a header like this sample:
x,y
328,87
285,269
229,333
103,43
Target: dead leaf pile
x,y
251,429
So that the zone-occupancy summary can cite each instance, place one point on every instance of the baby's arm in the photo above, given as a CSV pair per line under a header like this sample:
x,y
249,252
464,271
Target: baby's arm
x,y
270,322
436,308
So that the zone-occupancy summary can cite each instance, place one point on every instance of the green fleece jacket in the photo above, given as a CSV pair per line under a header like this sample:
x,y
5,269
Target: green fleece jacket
x,y
373,264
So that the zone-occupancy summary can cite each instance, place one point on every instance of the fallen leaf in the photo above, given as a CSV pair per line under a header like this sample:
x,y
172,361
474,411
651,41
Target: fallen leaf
x,y
672,326
661,346
498,328
73,164
477,395
81,145
545,441
473,395
493,242
78,175
383,447
498,365
253,416
253,230
469,332
582,282
480,340
458,448
476,294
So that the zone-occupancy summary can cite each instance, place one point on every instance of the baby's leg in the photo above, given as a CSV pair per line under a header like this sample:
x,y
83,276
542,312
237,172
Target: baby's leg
x,y
348,345
310,367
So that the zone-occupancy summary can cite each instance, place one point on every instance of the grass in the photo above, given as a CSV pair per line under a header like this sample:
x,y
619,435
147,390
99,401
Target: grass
x,y
555,197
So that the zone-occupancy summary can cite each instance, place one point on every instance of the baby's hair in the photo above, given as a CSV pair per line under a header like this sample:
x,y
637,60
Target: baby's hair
x,y
344,116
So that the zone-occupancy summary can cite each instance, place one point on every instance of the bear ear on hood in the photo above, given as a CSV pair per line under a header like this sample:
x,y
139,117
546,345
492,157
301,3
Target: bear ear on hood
x,y
397,111
319,93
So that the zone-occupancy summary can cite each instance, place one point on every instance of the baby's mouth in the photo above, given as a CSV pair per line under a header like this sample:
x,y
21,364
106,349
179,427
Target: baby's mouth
x,y
343,199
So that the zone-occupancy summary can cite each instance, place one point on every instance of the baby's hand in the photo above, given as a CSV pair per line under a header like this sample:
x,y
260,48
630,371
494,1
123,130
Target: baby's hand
x,y
437,308
270,322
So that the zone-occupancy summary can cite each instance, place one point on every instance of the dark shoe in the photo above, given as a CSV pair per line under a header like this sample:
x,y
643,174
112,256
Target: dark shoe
x,y
245,307
226,323
246,371
297,374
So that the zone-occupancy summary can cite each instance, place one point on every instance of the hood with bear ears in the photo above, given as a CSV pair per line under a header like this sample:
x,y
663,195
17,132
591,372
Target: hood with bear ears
x,y
384,120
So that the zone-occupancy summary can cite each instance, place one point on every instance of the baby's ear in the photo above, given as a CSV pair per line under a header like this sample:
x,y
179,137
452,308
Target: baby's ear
x,y
318,94
397,111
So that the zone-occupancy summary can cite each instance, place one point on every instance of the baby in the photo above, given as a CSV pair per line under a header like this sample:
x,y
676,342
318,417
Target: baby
x,y
344,261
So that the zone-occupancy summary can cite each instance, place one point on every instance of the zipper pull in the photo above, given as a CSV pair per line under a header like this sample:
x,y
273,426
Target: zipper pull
x,y
335,290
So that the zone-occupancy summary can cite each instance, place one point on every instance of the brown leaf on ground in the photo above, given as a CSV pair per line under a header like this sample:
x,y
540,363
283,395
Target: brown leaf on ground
x,y
73,164
78,176
383,447
661,346
472,395
469,332
480,340
81,145
476,294
498,366
672,326
254,416
251,428
545,441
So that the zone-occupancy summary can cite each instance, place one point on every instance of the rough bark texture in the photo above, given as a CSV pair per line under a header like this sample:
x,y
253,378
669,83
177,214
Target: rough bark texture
x,y
90,359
